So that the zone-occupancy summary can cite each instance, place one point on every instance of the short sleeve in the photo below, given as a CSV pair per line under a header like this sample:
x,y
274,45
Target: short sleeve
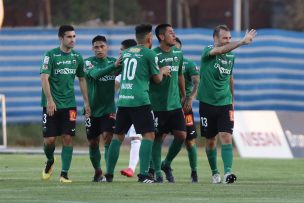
x,y
153,63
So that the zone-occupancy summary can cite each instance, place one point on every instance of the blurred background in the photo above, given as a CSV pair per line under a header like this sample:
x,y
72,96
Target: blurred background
x,y
269,74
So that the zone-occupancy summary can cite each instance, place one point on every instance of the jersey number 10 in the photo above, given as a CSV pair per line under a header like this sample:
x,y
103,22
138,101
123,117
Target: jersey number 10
x,y
130,66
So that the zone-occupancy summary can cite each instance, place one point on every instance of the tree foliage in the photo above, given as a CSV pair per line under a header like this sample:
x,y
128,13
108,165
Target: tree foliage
x,y
79,11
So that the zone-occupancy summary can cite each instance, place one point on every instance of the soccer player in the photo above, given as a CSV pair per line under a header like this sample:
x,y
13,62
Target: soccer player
x,y
166,102
135,138
139,67
100,77
215,94
191,75
58,70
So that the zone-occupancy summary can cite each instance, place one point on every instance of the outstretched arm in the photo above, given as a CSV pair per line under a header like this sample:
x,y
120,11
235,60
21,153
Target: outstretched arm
x,y
247,39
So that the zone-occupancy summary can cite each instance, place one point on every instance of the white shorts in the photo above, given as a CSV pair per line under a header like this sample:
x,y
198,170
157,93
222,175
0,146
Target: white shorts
x,y
132,133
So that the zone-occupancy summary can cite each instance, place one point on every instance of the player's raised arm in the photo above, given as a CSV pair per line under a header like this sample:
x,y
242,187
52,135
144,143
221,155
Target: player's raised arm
x,y
222,40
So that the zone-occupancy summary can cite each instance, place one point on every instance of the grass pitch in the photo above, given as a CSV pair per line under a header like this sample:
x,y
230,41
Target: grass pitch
x,y
259,180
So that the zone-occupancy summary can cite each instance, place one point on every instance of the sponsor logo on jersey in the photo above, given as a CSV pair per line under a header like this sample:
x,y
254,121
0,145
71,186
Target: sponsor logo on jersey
x,y
173,68
65,71
134,50
138,55
166,60
64,63
126,55
107,78
126,97
56,55
176,51
74,61
222,69
176,59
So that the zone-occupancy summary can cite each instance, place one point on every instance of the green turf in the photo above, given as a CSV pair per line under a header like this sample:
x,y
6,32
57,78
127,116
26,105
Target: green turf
x,y
259,180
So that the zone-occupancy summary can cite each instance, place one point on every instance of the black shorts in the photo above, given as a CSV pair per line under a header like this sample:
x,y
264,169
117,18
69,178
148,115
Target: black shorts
x,y
167,121
62,122
141,117
215,119
97,125
190,126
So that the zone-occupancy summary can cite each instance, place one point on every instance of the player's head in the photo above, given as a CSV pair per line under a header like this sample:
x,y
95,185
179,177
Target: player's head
x,y
100,46
165,34
221,35
143,34
178,43
66,34
127,44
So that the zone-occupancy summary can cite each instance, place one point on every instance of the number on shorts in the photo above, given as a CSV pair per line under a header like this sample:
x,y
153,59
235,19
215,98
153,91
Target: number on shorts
x,y
204,121
88,122
44,118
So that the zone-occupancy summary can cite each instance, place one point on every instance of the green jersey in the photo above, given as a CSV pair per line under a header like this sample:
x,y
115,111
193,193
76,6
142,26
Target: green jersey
x,y
62,68
139,64
100,79
165,95
189,69
215,74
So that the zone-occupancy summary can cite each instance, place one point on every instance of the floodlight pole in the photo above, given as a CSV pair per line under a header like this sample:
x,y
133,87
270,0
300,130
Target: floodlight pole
x,y
237,4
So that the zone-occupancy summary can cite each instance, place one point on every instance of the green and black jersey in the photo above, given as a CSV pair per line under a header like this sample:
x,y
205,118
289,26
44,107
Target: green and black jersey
x,y
100,79
62,68
215,74
139,64
165,95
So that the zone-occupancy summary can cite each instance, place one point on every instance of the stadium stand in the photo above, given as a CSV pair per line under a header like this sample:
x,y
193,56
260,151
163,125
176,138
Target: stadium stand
x,y
269,74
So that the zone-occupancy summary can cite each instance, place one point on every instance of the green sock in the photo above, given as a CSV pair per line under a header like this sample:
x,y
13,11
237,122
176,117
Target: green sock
x,y
49,151
174,148
145,152
192,155
113,154
95,156
227,156
211,155
156,157
66,158
106,149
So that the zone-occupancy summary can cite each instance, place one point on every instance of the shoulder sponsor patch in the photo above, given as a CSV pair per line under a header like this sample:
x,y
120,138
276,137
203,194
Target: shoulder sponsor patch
x,y
46,59
89,64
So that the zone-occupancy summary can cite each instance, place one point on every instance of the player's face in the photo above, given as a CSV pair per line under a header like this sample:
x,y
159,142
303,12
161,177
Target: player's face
x,y
69,39
224,37
100,49
169,37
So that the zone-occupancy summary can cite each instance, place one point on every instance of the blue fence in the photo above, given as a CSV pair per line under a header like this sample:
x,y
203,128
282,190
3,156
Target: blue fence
x,y
268,73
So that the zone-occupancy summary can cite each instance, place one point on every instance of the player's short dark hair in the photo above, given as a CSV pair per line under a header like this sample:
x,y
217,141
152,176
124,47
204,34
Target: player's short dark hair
x,y
178,41
128,43
99,38
142,30
218,28
63,29
161,29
